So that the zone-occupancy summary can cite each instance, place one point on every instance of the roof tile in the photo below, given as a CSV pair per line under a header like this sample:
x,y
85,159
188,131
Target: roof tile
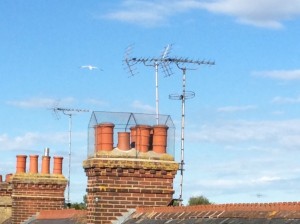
x,y
61,214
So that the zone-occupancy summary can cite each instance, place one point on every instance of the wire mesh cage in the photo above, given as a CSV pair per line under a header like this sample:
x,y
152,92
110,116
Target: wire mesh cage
x,y
138,133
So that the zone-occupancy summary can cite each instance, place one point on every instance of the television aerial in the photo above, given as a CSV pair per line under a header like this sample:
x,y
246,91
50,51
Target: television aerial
x,y
69,112
161,62
181,64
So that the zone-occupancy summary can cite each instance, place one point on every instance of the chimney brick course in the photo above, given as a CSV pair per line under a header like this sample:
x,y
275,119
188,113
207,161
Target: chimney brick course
x,y
33,192
5,201
116,185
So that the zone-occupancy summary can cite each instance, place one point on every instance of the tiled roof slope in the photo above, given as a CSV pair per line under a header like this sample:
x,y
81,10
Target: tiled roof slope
x,y
65,216
271,213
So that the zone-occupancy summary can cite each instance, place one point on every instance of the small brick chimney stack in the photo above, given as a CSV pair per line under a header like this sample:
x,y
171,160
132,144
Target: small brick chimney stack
x,y
34,191
137,172
5,199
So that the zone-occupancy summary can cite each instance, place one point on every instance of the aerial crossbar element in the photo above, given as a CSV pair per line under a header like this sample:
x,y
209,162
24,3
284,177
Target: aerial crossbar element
x,y
169,60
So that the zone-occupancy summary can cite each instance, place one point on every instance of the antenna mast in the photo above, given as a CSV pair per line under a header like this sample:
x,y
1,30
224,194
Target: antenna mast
x,y
154,62
165,62
180,62
69,112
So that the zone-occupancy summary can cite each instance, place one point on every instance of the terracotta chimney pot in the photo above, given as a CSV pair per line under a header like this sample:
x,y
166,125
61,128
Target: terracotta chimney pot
x,y
21,164
133,137
57,165
104,136
143,137
160,138
124,140
0,178
45,164
33,163
7,177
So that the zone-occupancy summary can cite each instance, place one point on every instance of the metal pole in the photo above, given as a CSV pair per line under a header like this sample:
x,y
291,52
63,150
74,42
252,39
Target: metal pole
x,y
182,133
70,152
157,97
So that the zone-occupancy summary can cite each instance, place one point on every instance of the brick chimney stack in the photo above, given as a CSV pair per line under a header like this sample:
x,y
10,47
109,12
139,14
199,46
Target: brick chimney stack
x,y
5,198
33,191
123,178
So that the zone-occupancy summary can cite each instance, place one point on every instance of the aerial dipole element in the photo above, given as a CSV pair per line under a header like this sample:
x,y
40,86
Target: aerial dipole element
x,y
69,112
184,96
154,62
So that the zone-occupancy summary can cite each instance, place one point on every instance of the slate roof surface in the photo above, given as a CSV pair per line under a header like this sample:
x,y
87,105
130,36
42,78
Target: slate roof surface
x,y
270,213
56,221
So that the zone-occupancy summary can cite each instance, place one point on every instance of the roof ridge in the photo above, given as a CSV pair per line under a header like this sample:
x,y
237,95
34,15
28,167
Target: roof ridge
x,y
273,206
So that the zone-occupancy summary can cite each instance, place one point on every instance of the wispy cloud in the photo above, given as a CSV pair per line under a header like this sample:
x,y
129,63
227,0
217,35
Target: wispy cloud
x,y
142,107
285,100
141,13
267,13
148,13
232,109
96,102
38,102
282,133
30,140
287,75
238,183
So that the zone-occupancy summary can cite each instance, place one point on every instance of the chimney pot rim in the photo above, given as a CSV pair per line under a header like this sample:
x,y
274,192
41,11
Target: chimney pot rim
x,y
35,155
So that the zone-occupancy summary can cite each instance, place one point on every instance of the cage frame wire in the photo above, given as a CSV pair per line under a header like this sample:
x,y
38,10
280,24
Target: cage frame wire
x,y
130,120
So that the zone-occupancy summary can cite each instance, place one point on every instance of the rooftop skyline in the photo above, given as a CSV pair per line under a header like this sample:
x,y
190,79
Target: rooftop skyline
x,y
242,128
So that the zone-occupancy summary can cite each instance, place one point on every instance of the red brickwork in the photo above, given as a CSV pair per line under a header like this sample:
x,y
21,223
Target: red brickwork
x,y
33,193
5,201
117,185
5,189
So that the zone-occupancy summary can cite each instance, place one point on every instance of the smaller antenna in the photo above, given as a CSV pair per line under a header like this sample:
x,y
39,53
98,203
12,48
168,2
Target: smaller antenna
x,y
69,112
184,96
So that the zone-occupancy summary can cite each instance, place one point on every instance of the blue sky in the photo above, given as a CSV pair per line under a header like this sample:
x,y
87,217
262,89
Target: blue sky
x,y
242,129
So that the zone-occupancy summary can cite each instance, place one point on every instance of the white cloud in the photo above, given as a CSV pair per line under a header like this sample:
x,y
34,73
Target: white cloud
x,y
266,13
267,179
142,12
96,102
30,140
38,102
142,107
230,109
283,133
287,75
285,100
238,183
